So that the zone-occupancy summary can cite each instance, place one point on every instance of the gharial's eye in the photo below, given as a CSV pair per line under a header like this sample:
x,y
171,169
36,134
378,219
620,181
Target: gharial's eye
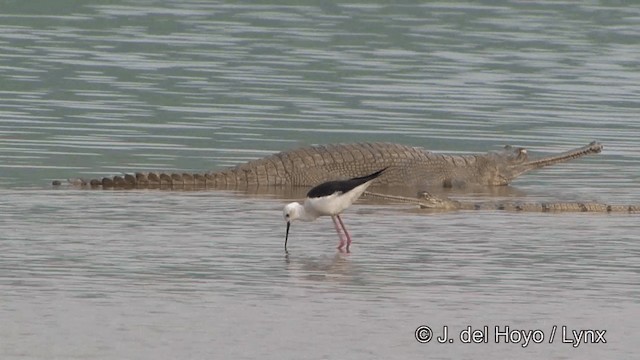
x,y
522,153
287,216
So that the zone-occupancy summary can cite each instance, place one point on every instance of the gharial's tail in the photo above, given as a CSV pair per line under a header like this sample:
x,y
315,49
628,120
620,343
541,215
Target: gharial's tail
x,y
151,180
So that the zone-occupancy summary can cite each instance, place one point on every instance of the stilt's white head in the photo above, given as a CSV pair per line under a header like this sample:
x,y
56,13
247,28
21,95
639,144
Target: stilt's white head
x,y
292,211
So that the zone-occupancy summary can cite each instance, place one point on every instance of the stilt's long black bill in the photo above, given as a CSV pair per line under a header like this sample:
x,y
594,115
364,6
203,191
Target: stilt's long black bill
x,y
286,237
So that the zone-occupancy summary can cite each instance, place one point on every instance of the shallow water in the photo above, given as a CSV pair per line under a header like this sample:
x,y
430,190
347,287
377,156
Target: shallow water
x,y
95,89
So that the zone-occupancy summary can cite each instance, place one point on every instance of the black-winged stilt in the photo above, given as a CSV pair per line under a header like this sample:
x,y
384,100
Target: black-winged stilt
x,y
329,199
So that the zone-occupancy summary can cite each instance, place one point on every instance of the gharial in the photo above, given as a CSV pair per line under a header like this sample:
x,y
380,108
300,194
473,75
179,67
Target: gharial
x,y
407,166
428,201
308,166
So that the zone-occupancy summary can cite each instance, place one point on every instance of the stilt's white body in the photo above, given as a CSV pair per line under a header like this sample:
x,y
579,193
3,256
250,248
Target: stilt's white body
x,y
331,205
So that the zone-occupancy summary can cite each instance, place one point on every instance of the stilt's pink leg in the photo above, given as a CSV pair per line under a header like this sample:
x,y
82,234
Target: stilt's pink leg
x,y
339,231
345,232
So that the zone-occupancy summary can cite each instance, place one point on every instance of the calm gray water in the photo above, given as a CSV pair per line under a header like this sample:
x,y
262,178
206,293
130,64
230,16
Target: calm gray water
x,y
89,88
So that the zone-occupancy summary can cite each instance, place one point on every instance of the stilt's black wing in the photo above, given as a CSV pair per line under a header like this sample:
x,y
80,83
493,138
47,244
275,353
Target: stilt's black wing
x,y
341,186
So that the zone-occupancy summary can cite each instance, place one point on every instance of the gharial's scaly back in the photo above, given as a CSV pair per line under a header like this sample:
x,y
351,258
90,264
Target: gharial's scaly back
x,y
312,165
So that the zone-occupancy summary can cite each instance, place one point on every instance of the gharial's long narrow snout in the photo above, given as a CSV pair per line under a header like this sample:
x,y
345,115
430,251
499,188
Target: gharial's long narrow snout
x,y
593,148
